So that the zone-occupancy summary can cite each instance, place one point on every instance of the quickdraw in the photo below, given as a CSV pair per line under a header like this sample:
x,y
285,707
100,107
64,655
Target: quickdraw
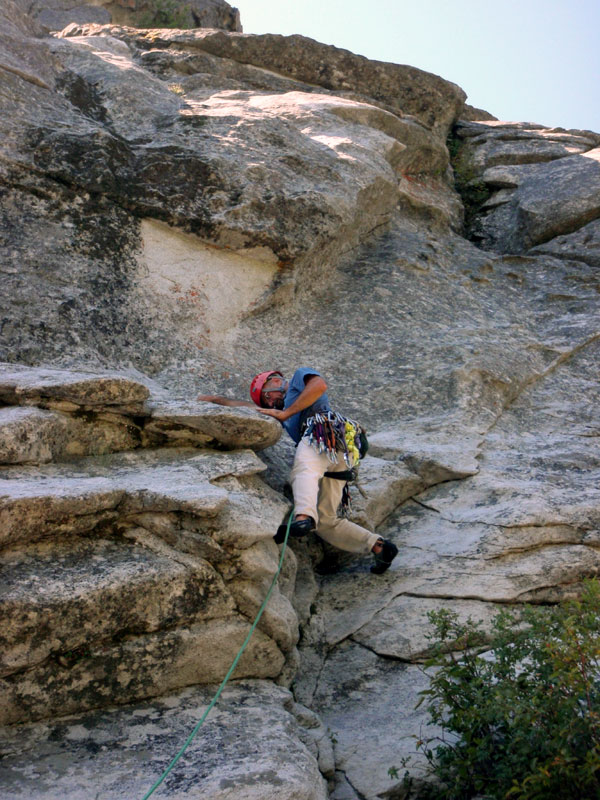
x,y
332,433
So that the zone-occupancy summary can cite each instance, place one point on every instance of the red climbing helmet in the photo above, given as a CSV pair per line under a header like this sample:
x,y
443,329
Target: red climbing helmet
x,y
257,384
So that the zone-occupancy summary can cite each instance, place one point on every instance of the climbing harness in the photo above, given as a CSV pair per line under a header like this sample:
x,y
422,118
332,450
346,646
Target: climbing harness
x,y
231,669
331,433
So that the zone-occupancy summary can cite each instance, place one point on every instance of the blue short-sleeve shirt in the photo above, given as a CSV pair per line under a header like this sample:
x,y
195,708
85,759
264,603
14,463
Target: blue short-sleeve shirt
x,y
296,386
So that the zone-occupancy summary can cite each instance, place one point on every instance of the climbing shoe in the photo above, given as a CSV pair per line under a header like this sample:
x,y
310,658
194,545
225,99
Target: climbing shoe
x,y
389,551
298,528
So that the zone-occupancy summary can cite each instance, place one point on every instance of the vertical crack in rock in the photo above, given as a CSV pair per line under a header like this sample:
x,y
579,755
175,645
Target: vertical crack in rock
x,y
558,362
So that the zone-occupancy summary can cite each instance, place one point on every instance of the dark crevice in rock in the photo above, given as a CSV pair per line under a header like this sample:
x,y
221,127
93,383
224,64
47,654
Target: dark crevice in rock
x,y
424,505
323,659
530,595
454,597
383,656
359,795
467,182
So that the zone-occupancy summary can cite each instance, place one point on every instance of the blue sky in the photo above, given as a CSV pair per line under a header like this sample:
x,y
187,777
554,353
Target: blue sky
x,y
530,60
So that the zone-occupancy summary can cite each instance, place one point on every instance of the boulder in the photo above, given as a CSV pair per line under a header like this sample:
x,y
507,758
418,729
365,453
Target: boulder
x,y
550,200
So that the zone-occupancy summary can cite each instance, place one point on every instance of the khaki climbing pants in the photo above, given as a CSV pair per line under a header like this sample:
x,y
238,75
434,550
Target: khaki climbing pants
x,y
320,498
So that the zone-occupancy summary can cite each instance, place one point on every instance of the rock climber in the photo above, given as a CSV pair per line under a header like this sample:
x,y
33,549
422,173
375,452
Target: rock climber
x,y
325,442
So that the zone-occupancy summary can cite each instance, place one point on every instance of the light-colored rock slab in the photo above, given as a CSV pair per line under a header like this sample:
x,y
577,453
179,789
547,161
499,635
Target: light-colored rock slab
x,y
229,426
440,559
382,486
249,748
540,465
369,706
55,601
23,385
30,435
436,451
137,668
38,502
402,629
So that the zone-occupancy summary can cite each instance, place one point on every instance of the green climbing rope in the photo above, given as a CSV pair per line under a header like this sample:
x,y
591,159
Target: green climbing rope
x,y
231,668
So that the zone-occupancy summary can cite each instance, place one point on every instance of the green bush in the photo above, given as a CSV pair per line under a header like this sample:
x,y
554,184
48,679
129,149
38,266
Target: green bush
x,y
166,14
522,723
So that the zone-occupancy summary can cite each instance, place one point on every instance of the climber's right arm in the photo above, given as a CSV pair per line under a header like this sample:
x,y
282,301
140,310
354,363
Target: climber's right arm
x,y
224,401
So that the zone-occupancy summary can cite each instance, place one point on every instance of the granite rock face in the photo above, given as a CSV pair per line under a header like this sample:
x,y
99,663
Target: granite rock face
x,y
197,206
86,542
130,575
220,760
51,414
54,15
542,183
173,167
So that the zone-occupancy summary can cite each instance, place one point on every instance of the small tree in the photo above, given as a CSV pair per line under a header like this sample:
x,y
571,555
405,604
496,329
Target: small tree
x,y
522,723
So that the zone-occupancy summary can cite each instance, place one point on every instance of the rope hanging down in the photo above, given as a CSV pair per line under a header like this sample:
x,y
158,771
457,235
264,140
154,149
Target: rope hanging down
x,y
231,668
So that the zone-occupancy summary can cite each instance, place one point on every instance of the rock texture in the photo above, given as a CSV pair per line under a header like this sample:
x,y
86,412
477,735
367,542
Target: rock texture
x,y
543,183
260,167
54,15
86,542
197,206
220,760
